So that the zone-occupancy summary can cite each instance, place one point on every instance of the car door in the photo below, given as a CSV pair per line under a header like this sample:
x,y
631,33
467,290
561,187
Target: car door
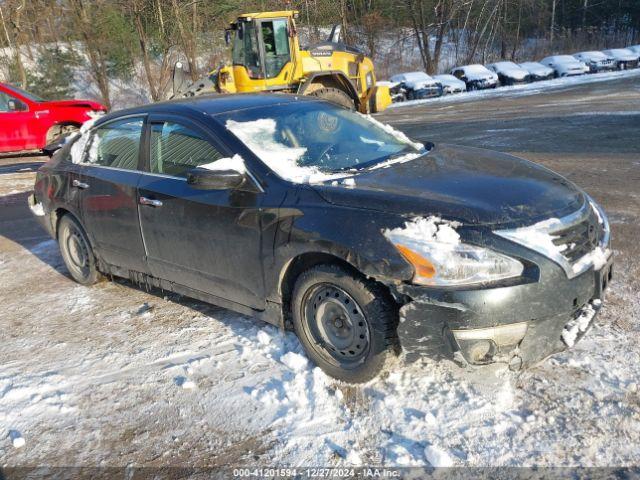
x,y
207,240
107,192
16,125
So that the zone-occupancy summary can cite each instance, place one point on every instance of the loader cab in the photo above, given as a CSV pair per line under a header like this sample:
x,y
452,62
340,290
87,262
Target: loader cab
x,y
263,51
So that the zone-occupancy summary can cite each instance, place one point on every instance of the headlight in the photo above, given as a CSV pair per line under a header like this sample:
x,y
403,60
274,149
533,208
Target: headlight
x,y
453,263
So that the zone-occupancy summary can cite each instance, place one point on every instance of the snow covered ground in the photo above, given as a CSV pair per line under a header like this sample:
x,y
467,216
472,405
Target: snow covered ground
x,y
113,375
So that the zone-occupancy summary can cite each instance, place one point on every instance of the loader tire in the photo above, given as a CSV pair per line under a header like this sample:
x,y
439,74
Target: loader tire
x,y
334,95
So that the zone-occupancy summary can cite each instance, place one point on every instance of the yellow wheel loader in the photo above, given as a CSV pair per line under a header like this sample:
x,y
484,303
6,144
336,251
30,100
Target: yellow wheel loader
x,y
267,57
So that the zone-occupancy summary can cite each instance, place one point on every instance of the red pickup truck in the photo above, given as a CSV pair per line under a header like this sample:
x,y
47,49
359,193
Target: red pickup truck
x,y
27,122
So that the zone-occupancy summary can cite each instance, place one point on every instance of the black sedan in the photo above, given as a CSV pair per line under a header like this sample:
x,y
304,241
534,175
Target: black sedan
x,y
318,219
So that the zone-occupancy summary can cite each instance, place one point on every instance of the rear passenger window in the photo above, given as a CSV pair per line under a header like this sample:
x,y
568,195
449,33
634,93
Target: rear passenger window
x,y
116,144
176,149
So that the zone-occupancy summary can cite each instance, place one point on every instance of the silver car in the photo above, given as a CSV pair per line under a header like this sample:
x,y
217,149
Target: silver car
x,y
537,71
596,61
565,65
624,58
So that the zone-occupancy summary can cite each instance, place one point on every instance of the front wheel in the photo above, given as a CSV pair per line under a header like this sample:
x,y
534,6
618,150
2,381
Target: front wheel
x,y
77,252
346,324
335,96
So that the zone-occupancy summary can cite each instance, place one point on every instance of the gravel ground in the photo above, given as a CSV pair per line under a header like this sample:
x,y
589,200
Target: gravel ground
x,y
114,375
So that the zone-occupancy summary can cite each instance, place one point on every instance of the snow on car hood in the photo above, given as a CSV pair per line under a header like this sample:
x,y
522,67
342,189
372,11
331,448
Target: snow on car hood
x,y
622,54
469,185
536,68
513,71
479,72
592,56
450,80
415,80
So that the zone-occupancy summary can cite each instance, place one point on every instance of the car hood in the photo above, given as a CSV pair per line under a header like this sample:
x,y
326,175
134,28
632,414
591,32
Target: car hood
x,y
625,57
538,69
514,72
481,76
469,185
88,104
567,65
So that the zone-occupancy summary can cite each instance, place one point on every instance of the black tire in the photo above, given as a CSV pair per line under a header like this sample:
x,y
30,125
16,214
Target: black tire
x,y
346,324
76,251
334,95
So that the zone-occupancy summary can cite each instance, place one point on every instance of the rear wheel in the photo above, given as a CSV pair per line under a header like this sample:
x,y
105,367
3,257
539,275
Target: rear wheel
x,y
334,95
77,252
346,323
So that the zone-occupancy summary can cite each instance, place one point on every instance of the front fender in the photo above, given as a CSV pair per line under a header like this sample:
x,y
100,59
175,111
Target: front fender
x,y
350,234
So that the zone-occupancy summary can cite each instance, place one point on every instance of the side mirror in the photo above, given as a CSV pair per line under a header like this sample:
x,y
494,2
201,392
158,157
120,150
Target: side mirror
x,y
204,179
227,37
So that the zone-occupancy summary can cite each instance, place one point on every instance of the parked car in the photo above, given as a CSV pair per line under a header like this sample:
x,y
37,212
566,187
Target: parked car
x,y
418,85
538,71
312,217
509,73
450,84
565,65
28,122
476,77
624,58
596,61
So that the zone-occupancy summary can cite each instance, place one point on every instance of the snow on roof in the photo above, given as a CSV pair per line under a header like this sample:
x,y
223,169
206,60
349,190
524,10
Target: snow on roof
x,y
592,54
411,77
476,68
562,58
507,65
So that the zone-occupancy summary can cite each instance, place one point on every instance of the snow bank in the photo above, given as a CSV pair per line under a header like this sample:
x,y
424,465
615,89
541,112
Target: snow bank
x,y
259,136
233,163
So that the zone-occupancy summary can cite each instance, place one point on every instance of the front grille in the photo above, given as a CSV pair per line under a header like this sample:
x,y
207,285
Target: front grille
x,y
580,238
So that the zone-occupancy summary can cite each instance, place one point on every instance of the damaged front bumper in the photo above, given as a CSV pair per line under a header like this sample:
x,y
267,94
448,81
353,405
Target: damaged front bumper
x,y
518,325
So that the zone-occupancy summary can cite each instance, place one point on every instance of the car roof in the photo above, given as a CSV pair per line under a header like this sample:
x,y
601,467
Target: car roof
x,y
213,104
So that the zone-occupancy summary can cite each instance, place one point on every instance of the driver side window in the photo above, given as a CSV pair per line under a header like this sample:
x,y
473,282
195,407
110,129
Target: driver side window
x,y
176,149
11,104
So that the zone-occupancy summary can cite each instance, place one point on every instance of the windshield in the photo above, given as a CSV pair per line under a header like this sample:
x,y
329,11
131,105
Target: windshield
x,y
25,94
316,135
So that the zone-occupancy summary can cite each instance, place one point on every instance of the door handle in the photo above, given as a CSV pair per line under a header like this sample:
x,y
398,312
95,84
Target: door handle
x,y
151,202
79,184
